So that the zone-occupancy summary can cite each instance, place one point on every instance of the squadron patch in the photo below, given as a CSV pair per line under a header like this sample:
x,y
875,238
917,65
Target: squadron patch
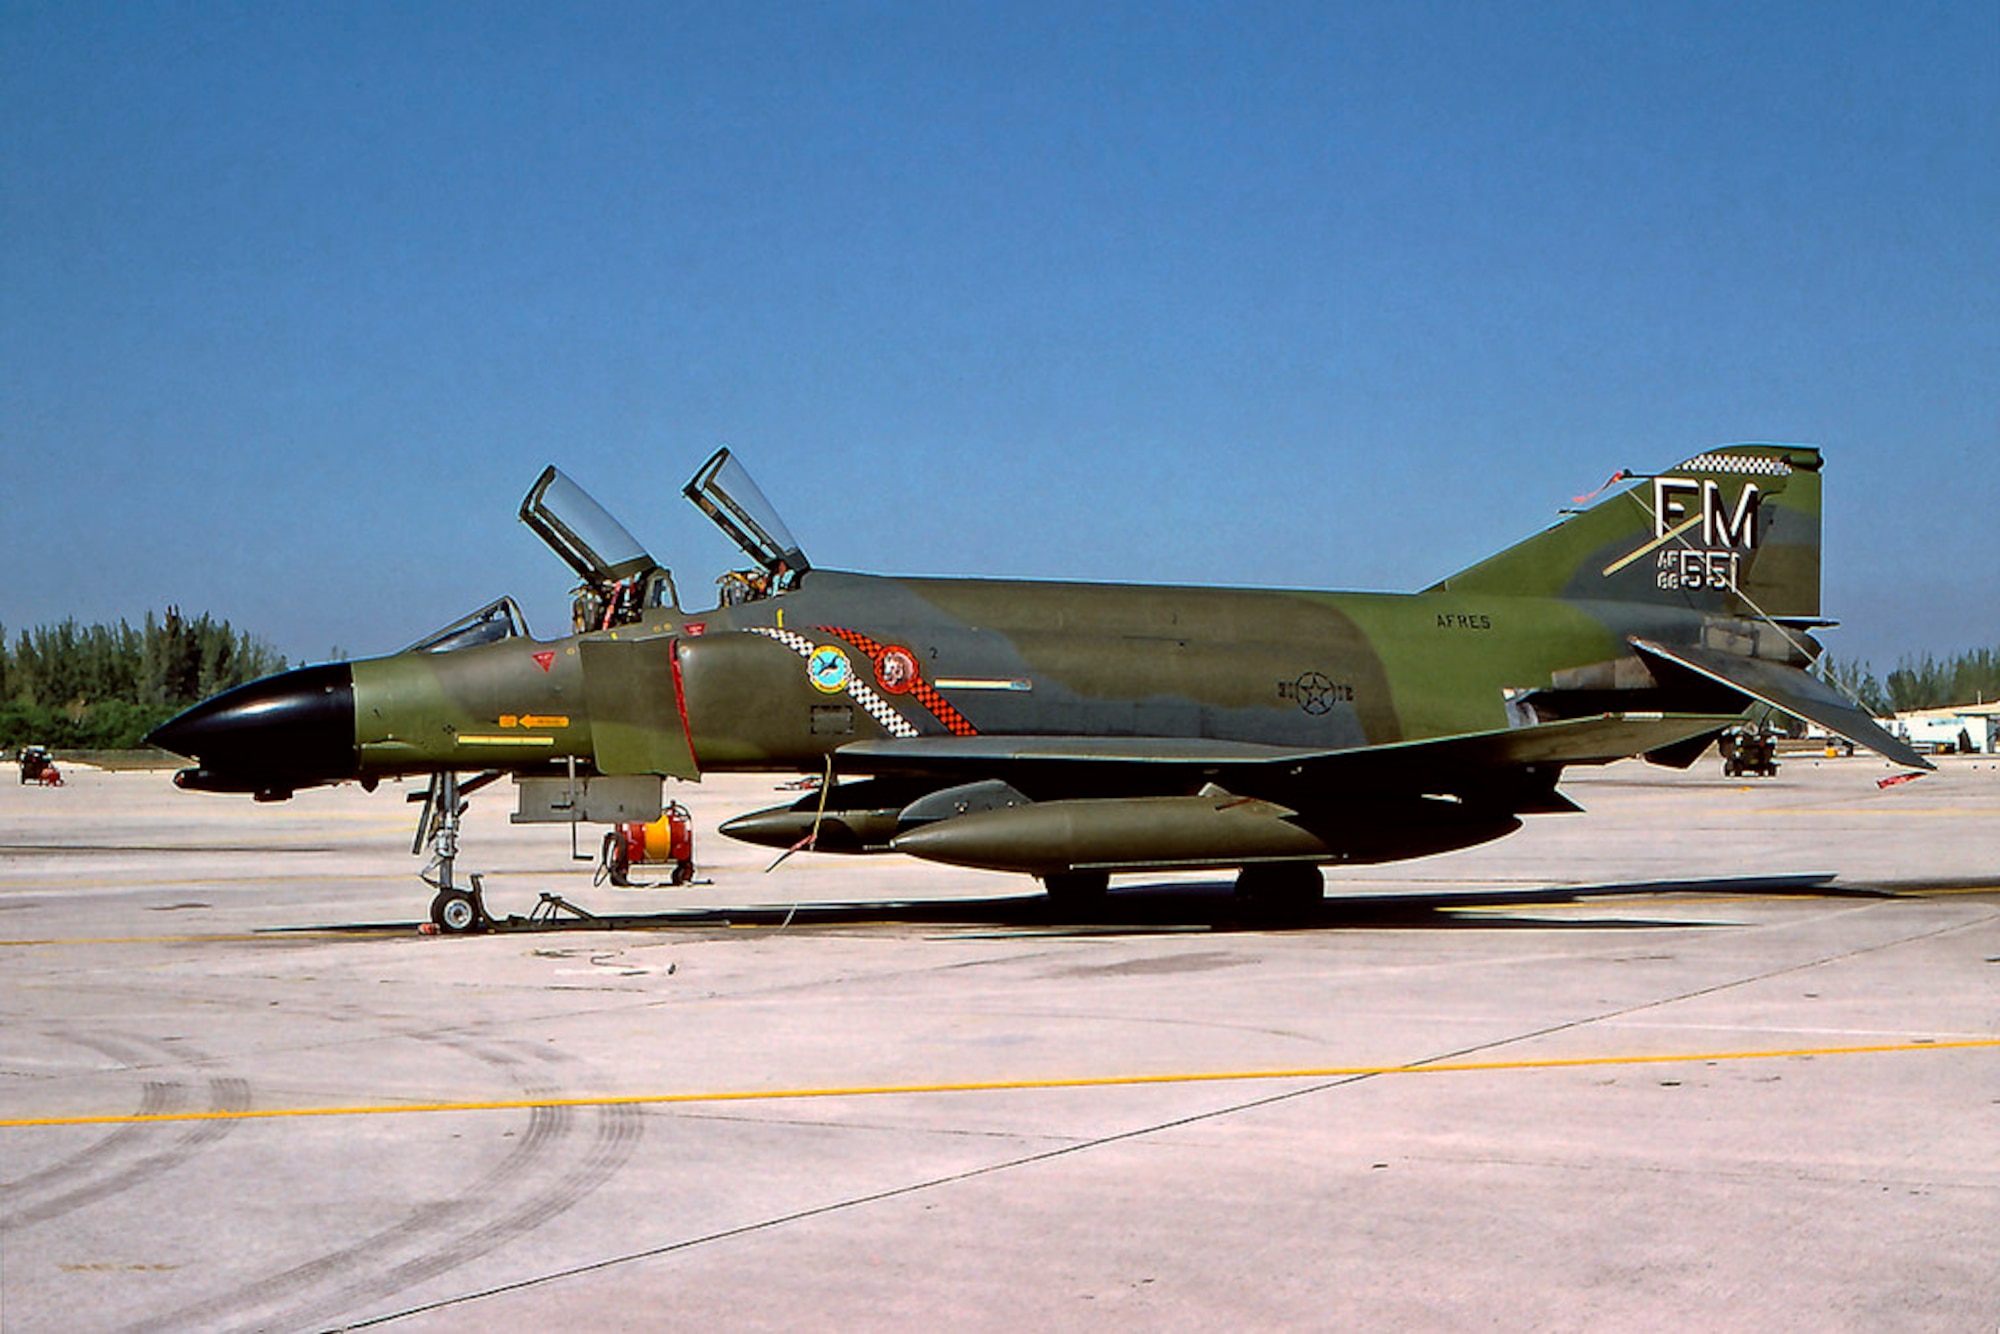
x,y
922,691
863,694
896,669
828,669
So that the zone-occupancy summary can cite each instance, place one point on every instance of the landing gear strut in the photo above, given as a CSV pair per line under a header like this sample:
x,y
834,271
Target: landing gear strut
x,y
454,911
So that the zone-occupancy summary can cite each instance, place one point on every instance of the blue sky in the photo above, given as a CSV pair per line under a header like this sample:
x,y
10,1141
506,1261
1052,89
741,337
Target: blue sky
x,y
296,299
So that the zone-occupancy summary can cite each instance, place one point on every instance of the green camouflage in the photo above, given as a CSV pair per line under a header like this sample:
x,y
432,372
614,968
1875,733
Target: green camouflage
x,y
1072,730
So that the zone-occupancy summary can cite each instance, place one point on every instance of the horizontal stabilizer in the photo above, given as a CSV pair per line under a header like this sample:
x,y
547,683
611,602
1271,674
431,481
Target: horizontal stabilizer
x,y
1792,691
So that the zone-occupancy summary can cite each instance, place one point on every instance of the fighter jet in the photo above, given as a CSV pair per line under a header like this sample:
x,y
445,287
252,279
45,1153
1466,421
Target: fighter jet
x,y
1076,731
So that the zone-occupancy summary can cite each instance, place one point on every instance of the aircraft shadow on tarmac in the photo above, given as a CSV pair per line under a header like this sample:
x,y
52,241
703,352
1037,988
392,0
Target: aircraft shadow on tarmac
x,y
1181,906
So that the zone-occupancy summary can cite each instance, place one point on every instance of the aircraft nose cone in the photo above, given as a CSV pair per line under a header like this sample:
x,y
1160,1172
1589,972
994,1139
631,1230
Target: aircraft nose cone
x,y
292,729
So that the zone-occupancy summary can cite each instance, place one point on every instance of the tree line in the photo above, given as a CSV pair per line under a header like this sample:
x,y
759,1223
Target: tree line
x,y
1920,683
103,687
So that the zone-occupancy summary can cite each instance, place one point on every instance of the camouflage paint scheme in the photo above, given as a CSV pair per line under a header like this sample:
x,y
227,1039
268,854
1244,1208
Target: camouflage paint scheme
x,y
1072,730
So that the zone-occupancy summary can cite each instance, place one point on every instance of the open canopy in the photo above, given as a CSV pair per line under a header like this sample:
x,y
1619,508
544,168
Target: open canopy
x,y
582,532
722,489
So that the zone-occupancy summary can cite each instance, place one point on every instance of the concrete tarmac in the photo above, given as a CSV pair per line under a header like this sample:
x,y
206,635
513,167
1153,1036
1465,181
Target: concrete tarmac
x,y
1719,1055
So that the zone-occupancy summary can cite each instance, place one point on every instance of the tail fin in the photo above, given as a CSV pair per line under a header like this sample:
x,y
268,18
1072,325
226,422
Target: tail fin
x,y
1735,530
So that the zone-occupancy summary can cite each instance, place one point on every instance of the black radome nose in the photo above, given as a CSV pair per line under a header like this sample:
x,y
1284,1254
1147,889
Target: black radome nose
x,y
291,730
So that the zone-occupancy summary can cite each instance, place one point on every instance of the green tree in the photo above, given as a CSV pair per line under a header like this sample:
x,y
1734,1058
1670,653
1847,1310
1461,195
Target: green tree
x,y
1857,681
106,686
1925,682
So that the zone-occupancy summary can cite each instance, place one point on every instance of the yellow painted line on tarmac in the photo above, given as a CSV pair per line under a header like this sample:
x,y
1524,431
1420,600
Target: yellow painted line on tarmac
x,y
111,940
60,889
1009,1085
279,934
1692,897
1695,897
1899,811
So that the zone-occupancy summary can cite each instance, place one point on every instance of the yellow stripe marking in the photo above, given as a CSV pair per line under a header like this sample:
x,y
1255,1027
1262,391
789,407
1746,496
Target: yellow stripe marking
x,y
225,937
1005,1085
1613,900
466,740
1652,546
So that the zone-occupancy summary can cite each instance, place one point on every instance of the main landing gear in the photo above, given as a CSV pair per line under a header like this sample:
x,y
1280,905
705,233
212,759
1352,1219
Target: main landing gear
x,y
1290,887
1077,889
1269,887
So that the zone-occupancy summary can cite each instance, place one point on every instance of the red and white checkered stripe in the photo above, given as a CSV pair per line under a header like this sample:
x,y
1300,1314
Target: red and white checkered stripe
x,y
869,698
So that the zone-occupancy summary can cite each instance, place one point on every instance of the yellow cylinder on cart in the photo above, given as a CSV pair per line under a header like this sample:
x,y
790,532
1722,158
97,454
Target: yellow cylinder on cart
x,y
667,839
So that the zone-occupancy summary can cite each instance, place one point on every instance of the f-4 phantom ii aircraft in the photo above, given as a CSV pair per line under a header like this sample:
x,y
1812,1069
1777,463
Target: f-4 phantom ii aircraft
x,y
1074,731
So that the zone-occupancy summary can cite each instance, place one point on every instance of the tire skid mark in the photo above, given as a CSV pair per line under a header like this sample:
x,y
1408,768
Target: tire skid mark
x,y
532,1184
260,1303
159,1098
617,1135
226,1095
1313,1089
108,1166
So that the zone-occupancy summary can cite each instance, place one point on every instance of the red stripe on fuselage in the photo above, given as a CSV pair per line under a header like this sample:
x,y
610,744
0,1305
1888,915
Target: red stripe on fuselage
x,y
681,703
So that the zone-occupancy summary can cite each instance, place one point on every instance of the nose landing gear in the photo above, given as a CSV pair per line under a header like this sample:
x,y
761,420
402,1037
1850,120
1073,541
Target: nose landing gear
x,y
454,911
460,909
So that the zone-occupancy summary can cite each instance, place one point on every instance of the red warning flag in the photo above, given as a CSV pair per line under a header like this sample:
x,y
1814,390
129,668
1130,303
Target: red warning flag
x,y
1609,482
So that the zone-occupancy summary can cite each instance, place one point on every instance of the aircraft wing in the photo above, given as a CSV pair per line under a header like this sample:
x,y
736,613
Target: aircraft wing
x,y
930,754
1792,691
1440,764
1593,740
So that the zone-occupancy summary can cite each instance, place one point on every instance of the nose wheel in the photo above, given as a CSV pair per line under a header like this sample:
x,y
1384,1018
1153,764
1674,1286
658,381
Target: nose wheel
x,y
455,911
459,911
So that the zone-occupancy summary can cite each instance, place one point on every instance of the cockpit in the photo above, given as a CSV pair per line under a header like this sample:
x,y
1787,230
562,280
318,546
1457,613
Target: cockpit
x,y
492,622
620,580
724,490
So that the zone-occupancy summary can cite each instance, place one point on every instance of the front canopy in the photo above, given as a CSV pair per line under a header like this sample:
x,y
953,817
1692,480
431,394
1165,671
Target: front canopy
x,y
582,532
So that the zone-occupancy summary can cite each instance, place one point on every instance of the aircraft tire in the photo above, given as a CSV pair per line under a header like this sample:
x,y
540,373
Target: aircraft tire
x,y
1286,886
455,912
1077,887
